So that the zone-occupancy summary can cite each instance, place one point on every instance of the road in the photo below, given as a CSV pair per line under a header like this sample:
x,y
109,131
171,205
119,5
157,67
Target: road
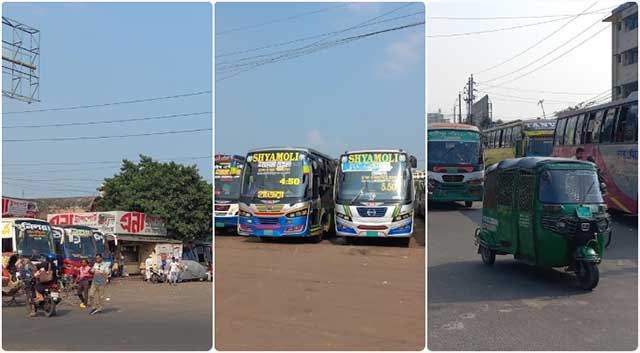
x,y
515,307
138,316
292,295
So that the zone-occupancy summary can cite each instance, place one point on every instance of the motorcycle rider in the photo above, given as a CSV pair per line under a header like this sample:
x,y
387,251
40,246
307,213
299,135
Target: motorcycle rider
x,y
44,266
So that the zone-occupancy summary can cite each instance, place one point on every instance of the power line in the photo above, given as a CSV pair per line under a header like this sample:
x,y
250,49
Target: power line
x,y
110,103
555,59
538,42
56,139
313,37
284,19
548,92
532,100
26,164
323,46
98,122
494,30
546,54
515,17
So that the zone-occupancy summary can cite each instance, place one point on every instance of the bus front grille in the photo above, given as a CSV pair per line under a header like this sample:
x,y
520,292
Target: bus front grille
x,y
268,220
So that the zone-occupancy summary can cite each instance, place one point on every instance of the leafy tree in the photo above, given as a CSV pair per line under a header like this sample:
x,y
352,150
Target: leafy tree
x,y
173,191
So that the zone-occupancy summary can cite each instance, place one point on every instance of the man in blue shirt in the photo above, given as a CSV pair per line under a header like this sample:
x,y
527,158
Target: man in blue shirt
x,y
100,273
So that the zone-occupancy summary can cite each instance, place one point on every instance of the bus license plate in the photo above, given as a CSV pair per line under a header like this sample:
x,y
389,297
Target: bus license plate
x,y
219,225
54,295
268,232
372,234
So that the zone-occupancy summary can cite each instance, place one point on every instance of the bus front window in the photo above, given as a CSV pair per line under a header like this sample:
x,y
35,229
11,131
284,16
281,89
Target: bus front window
x,y
454,153
273,178
227,188
35,243
539,147
380,182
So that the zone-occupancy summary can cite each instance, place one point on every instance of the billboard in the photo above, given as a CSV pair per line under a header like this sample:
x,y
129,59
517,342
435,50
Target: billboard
x,y
114,222
480,111
18,208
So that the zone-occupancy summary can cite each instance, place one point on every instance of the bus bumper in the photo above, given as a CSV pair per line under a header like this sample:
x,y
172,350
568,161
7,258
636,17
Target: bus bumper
x,y
226,221
468,193
276,227
401,229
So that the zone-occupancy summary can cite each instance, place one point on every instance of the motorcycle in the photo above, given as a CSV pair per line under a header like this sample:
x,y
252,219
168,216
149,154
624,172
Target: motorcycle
x,y
51,297
158,276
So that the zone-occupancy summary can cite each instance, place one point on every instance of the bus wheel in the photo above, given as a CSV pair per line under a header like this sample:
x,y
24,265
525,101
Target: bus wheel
x,y
468,203
348,240
404,242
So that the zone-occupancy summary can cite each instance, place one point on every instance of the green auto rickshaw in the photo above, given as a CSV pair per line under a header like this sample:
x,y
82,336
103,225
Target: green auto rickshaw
x,y
546,212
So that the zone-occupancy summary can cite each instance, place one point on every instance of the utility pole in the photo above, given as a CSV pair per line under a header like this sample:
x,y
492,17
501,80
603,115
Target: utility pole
x,y
459,108
541,104
470,98
454,112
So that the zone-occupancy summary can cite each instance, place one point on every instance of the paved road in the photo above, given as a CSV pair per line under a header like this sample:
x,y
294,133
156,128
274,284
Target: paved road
x,y
515,307
326,296
138,316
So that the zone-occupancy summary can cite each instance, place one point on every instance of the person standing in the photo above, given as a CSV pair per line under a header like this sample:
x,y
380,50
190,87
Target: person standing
x,y
148,264
84,281
174,268
26,271
100,273
580,154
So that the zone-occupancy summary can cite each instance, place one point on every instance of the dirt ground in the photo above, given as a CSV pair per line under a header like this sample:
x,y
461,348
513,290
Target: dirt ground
x,y
293,295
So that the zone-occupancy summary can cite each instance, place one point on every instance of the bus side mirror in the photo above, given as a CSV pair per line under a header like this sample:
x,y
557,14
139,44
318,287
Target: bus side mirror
x,y
413,161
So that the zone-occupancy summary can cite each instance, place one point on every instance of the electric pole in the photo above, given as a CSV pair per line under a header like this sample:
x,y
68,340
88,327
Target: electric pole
x,y
470,98
541,104
459,108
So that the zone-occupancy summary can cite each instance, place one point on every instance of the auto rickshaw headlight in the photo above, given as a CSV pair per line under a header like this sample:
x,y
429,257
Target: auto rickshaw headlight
x,y
561,226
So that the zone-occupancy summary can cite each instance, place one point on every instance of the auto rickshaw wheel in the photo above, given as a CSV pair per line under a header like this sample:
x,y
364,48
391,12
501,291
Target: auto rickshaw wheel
x,y
488,255
588,275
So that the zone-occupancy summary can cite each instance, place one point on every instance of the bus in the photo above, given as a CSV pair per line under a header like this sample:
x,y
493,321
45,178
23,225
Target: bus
x,y
286,192
25,237
75,243
455,165
228,169
520,138
608,133
374,194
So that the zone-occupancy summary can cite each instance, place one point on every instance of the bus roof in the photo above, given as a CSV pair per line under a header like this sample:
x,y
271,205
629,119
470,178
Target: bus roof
x,y
452,126
528,124
399,150
633,97
227,157
300,149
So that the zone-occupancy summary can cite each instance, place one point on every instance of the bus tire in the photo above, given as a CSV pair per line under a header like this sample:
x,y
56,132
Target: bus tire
x,y
347,240
404,242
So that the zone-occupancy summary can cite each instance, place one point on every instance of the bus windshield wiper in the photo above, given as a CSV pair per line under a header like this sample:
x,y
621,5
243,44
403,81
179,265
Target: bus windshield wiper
x,y
365,187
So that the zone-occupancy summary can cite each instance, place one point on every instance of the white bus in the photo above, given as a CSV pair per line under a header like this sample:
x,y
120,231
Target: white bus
x,y
374,194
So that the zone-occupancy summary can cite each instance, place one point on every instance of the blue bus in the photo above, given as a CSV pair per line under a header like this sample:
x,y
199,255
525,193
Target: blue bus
x,y
228,169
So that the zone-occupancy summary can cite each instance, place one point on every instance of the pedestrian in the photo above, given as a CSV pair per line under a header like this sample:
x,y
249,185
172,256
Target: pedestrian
x,y
100,273
84,281
174,268
26,271
580,154
148,264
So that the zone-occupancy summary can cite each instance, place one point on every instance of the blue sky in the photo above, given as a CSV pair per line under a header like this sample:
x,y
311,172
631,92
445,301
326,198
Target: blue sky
x,y
94,53
369,93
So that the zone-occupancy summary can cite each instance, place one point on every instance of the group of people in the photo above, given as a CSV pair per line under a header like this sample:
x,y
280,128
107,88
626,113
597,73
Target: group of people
x,y
91,280
172,269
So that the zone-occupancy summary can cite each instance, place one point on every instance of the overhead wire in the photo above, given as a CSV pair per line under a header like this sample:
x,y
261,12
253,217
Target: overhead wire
x,y
100,122
57,139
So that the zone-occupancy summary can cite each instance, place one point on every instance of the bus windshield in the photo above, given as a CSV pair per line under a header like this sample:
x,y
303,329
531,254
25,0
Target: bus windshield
x,y
454,152
227,188
374,177
570,186
540,147
35,240
275,175
79,244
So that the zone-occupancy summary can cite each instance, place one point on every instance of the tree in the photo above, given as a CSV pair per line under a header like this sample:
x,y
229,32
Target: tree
x,y
176,192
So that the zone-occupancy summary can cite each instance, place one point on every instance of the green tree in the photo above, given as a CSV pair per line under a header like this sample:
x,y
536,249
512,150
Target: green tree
x,y
176,192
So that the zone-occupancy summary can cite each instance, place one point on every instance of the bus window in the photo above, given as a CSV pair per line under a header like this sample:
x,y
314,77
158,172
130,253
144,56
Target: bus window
x,y
570,130
507,139
7,245
593,129
499,138
631,129
559,134
578,135
517,133
607,127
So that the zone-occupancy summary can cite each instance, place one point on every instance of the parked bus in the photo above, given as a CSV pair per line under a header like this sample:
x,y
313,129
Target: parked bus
x,y
374,194
608,133
75,243
228,170
517,139
455,166
25,237
286,192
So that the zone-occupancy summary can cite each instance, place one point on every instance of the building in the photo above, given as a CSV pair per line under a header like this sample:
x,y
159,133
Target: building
x,y
436,117
624,42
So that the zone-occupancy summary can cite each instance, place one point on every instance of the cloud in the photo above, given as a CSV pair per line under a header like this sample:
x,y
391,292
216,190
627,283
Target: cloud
x,y
401,56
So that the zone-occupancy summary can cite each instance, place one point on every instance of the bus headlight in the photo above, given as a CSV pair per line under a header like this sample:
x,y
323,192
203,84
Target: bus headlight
x,y
403,216
475,182
343,216
244,214
299,213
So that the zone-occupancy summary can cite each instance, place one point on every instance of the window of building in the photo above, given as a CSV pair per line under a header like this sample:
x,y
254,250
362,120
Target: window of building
x,y
607,127
618,58
628,88
631,22
619,26
630,56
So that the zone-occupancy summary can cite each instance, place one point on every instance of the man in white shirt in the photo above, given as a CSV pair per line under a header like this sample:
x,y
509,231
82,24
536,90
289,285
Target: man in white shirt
x,y
148,264
174,268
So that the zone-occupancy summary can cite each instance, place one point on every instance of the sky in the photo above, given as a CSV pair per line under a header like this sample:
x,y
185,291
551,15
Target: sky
x,y
583,72
93,53
369,93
